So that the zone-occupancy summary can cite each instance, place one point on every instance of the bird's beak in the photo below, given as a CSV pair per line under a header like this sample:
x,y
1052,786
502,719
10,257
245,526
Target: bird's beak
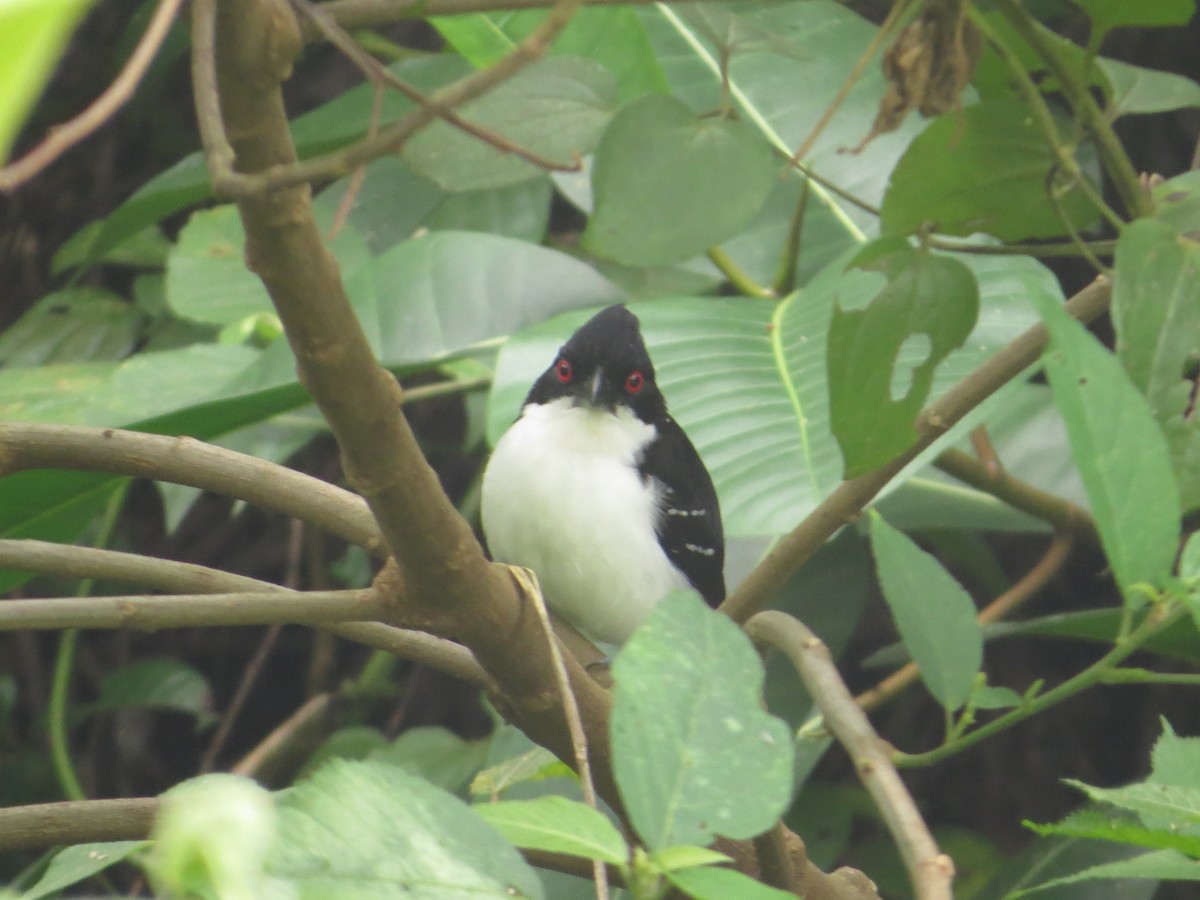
x,y
596,386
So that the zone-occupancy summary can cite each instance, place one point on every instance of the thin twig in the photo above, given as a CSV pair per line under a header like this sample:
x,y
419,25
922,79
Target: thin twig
x,y
379,74
929,870
65,136
1027,587
177,577
527,584
737,276
856,73
229,183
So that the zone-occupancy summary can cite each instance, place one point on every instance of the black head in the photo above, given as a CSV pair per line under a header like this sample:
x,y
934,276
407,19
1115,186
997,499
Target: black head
x,y
604,365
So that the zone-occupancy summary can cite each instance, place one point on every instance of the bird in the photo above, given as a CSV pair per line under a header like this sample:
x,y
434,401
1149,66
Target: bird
x,y
599,491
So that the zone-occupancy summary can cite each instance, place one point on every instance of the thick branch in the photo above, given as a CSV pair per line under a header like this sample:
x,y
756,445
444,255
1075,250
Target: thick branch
x,y
930,870
850,497
442,582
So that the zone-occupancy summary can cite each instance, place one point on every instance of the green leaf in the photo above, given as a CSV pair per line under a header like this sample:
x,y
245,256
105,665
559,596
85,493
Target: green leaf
x,y
612,36
75,325
1109,14
555,108
928,306
1138,90
439,756
557,825
1179,641
1096,825
934,615
1157,865
709,883
815,44
532,765
33,34
1156,314
358,829
1121,453
159,684
1175,760
1177,203
981,169
995,697
72,865
1178,805
747,381
685,856
668,185
694,755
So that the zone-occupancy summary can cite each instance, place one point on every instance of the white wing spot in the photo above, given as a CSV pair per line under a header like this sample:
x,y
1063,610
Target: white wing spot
x,y
703,551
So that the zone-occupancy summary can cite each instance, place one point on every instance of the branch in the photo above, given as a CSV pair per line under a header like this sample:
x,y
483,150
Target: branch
x,y
65,136
150,613
184,460
929,870
1062,514
850,497
76,822
177,577
282,169
440,582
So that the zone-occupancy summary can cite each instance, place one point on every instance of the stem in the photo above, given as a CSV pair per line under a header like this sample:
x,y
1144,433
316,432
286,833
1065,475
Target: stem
x,y
785,275
737,275
1096,673
1112,154
60,751
1127,675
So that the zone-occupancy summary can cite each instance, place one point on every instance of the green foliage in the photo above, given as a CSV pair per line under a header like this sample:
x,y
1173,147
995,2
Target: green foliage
x,y
934,615
1161,813
871,283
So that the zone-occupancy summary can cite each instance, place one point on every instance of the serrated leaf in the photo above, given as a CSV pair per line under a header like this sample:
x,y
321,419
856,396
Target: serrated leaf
x,y
981,169
694,755
710,883
1156,314
555,108
1175,760
72,865
557,825
874,398
1158,865
667,185
1176,807
370,829
934,615
1119,449
1096,825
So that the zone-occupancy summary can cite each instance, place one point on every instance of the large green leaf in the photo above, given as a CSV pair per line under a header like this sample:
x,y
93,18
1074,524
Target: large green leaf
x,y
366,829
667,184
1119,449
555,108
783,85
982,169
71,326
933,613
747,381
694,755
157,684
927,299
1134,89
612,36
32,36
1156,313
72,865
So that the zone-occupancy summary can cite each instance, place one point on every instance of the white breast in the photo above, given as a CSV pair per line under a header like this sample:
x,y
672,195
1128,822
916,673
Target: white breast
x,y
562,496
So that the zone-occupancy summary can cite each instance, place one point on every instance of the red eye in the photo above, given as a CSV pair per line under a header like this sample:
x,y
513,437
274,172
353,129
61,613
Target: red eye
x,y
563,370
635,382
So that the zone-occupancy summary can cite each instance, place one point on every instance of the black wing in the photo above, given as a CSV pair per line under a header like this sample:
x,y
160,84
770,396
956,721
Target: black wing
x,y
689,529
